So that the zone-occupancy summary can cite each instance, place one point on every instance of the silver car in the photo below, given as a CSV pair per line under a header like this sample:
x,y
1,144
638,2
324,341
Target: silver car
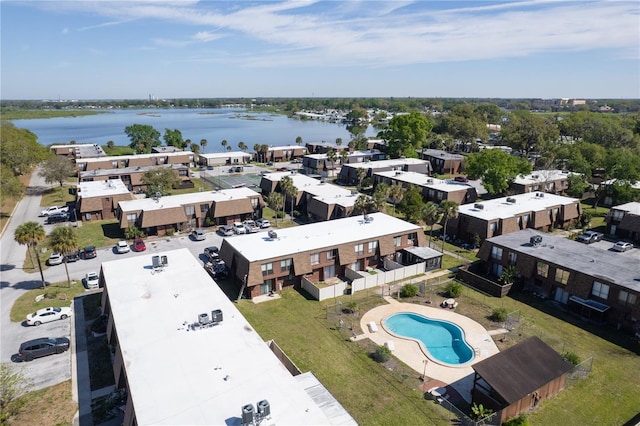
x,y
199,235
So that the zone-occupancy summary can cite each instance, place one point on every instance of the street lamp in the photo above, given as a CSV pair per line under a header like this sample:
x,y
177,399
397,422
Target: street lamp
x,y
424,371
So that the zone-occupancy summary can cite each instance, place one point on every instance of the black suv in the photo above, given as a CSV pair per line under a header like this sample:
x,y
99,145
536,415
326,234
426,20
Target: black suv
x,y
57,218
42,347
89,252
72,257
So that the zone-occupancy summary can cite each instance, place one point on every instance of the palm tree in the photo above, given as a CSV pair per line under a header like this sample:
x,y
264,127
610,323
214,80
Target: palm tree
x,y
332,156
299,140
431,215
264,148
449,210
361,173
242,146
338,141
64,240
396,193
275,201
256,149
224,143
203,144
380,196
229,148
288,189
30,234
362,204
344,156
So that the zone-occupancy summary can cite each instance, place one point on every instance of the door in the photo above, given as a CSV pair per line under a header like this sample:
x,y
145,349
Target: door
x,y
266,287
561,296
613,230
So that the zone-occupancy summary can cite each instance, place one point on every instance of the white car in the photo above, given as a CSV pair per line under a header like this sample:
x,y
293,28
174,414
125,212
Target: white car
x,y
122,247
622,246
199,235
92,280
250,226
263,223
47,315
55,259
239,228
53,210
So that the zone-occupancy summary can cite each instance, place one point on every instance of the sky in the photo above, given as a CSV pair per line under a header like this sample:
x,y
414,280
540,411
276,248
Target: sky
x,y
105,49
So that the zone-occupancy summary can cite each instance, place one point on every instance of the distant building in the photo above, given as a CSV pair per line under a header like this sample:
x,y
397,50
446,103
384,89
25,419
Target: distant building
x,y
99,200
164,149
132,176
551,181
78,151
284,153
349,172
623,221
432,189
185,158
224,158
184,355
442,162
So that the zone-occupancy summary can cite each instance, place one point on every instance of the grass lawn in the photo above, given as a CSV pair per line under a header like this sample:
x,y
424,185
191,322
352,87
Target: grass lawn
x,y
49,406
597,215
198,183
56,295
56,196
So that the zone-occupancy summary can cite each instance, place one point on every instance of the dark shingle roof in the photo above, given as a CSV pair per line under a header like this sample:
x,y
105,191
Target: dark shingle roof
x,y
521,369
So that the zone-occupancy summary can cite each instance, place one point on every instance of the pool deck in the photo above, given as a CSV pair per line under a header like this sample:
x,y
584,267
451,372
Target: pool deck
x,y
412,354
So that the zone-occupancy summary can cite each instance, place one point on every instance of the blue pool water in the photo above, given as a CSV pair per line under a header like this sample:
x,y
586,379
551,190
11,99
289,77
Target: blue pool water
x,y
444,340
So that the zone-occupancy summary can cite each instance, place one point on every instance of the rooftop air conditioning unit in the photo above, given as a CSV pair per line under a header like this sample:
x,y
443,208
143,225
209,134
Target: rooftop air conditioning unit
x,y
478,206
203,319
535,240
273,234
216,316
264,408
429,180
247,414
511,200
540,194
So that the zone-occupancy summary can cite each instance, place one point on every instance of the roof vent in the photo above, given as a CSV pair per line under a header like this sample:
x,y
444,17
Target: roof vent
x,y
478,206
536,240
511,200
368,219
272,234
540,194
429,180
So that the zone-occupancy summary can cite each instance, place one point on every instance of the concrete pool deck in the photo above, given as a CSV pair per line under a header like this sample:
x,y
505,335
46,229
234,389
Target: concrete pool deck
x,y
412,353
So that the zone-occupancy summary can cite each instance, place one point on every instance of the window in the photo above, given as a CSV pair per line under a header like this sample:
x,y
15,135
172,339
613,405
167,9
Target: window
x,y
493,226
204,208
542,269
397,241
331,254
626,298
562,276
496,253
315,258
512,258
359,248
617,215
373,246
189,210
114,164
267,268
132,217
412,238
600,290
285,265
254,203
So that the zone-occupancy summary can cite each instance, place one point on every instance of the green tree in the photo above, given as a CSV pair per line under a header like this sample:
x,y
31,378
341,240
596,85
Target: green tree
x,y
449,210
186,143
396,193
173,138
288,189
527,132
380,196
159,179
361,173
10,185
242,146
143,137
224,143
344,156
406,133
577,185
13,384
411,204
430,214
496,168
299,140
264,148
338,141
30,234
195,148
56,170
64,240
203,144
111,144
19,149
256,149
275,201
363,204
332,157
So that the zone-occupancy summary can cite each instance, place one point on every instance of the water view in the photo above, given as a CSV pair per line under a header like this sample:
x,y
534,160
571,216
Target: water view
x,y
214,125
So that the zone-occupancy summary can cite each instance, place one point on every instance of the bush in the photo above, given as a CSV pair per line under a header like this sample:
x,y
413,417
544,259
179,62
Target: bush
x,y
133,232
521,420
409,290
571,357
208,221
453,290
499,315
383,354
169,232
279,214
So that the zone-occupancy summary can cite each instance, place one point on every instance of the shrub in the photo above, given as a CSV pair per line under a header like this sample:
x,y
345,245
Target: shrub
x,y
279,214
453,289
208,221
409,290
169,232
351,307
521,420
133,232
499,315
571,357
383,354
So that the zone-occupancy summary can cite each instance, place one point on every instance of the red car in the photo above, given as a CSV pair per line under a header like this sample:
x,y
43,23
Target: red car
x,y
461,179
138,245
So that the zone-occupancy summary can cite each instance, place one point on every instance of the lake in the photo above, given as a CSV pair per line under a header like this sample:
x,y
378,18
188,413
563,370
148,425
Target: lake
x,y
214,125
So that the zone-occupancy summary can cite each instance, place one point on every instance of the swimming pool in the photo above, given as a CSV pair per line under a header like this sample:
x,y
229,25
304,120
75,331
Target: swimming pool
x,y
442,339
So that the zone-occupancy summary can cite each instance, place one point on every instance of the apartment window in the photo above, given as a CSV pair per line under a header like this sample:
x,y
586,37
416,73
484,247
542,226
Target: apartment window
x,y
204,208
542,269
331,254
254,203
412,238
397,241
132,217
285,265
496,253
617,215
189,210
267,268
626,298
562,276
440,195
114,164
493,226
512,258
359,248
315,258
600,290
373,246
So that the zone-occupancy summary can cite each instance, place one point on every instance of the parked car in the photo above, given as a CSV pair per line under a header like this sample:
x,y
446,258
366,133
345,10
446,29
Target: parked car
x,y
47,315
199,235
57,218
589,237
55,259
269,163
225,230
463,179
250,226
281,169
73,256
236,169
239,228
263,223
89,252
210,251
53,210
622,246
122,247
44,346
92,280
138,245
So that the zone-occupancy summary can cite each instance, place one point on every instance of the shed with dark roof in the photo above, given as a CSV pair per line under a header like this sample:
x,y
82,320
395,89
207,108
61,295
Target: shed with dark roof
x,y
516,380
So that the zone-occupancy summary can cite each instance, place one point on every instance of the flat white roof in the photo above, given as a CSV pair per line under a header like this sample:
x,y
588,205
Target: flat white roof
x,y
421,179
232,154
632,207
317,236
499,208
177,375
385,163
541,176
169,201
102,188
135,156
299,180
326,192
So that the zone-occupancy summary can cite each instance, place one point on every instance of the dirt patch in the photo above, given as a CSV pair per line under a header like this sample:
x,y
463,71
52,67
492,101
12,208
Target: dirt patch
x,y
50,406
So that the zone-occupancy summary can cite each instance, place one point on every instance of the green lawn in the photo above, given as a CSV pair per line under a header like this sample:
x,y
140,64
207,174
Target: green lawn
x,y
56,295
57,196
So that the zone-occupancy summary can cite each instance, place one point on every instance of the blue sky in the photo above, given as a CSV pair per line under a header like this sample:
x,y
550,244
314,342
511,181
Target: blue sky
x,y
190,49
